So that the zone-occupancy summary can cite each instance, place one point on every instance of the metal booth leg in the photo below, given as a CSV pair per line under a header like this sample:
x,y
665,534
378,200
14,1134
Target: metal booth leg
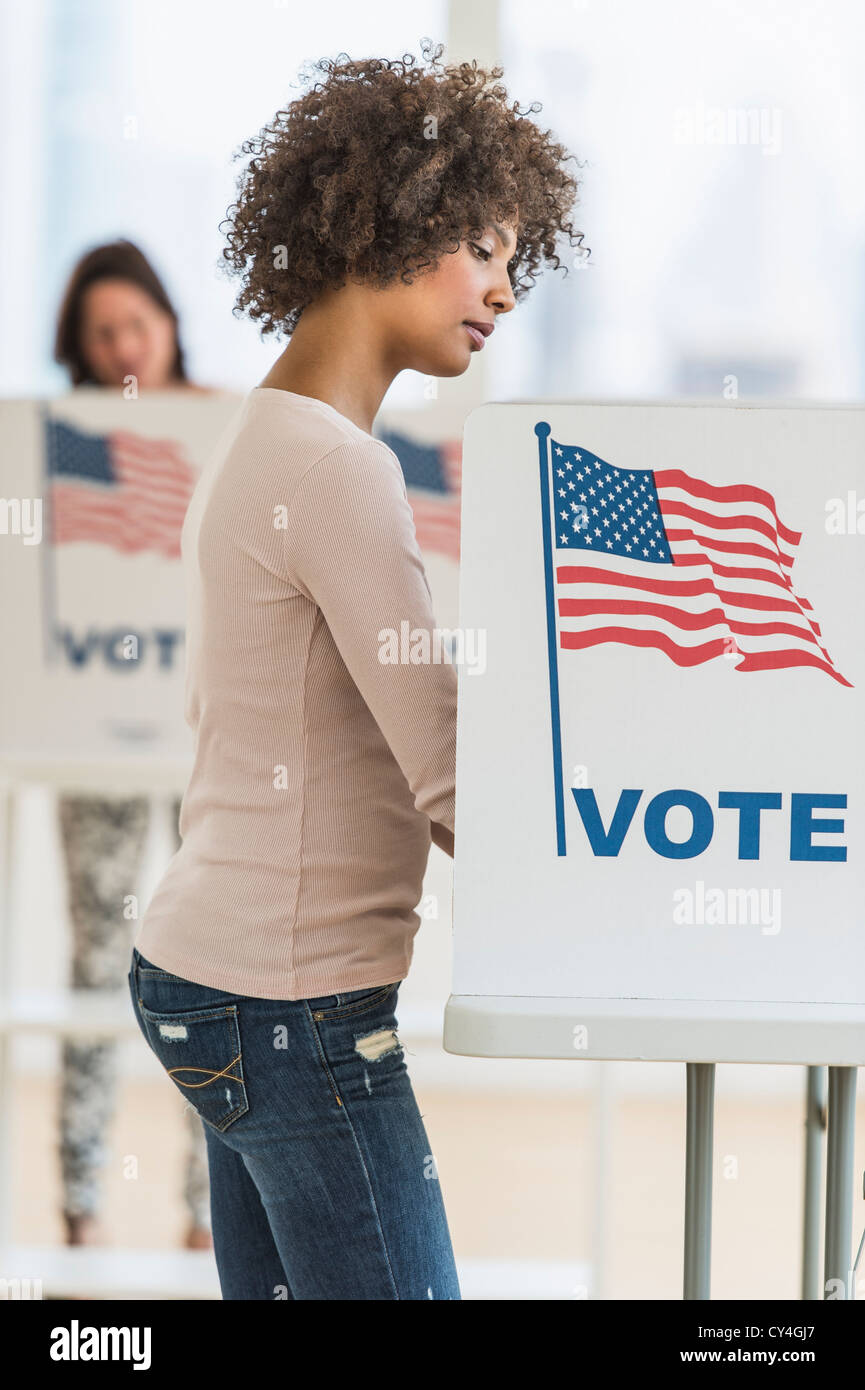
x,y
837,1271
815,1124
698,1178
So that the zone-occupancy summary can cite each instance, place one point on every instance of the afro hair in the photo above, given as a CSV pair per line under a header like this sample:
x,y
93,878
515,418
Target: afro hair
x,y
379,170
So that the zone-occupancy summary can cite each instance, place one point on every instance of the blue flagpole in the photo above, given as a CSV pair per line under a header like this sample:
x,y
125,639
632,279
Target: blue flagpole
x,y
542,430
49,634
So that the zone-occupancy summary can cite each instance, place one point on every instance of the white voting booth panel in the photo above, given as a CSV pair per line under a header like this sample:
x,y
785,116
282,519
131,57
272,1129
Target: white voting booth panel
x,y
660,816
92,624
93,618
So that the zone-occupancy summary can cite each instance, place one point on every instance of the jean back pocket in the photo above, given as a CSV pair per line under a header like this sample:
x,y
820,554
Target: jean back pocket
x,y
200,1050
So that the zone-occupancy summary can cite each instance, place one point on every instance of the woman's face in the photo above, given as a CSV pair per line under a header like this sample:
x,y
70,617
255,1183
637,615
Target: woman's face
x,y
427,320
125,333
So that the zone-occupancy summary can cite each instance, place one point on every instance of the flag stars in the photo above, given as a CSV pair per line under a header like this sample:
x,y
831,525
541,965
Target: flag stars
x,y
624,504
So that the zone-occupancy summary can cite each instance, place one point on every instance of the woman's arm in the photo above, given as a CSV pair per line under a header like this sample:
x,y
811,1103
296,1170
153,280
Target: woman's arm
x,y
350,546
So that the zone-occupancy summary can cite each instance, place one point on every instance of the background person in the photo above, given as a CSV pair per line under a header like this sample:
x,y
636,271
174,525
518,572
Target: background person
x,y
116,322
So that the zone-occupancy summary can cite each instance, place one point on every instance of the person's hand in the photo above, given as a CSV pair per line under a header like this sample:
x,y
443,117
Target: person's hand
x,y
443,837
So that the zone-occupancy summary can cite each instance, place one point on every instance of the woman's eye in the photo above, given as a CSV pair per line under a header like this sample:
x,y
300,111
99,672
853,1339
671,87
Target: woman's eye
x,y
487,255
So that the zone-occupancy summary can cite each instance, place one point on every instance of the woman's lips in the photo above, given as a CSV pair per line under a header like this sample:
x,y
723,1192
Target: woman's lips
x,y
476,336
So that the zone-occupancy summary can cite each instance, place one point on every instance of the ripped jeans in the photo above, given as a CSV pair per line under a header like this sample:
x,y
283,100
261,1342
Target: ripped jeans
x,y
322,1184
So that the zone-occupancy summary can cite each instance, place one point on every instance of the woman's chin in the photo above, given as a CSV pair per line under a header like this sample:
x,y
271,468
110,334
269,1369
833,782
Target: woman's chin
x,y
444,364
455,365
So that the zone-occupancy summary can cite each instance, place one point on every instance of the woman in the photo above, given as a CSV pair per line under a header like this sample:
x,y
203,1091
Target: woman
x,y
116,328
381,225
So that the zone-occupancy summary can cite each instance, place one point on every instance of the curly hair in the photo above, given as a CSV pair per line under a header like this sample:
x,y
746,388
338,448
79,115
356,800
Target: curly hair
x,y
382,168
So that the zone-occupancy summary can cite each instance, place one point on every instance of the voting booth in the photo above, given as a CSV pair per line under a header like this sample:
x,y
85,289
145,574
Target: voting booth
x,y
95,638
659,813
96,488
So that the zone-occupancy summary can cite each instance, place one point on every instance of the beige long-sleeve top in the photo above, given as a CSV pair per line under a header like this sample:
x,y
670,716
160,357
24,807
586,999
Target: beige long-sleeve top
x,y
318,767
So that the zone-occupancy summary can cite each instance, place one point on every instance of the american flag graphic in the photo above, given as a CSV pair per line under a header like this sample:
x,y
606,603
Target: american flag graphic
x,y
658,558
433,478
119,489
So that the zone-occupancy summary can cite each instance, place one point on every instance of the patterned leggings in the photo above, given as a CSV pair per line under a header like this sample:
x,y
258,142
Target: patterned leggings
x,y
103,843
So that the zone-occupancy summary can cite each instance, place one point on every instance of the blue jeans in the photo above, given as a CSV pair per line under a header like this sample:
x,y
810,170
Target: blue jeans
x,y
322,1184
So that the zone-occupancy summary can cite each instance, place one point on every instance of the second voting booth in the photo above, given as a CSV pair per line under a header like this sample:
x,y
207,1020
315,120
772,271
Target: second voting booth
x,y
659,812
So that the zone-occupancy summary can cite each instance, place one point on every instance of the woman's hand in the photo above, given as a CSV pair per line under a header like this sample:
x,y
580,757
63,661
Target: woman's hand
x,y
443,837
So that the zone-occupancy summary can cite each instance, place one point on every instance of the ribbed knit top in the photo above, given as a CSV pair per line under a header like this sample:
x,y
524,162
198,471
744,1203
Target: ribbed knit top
x,y
318,766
